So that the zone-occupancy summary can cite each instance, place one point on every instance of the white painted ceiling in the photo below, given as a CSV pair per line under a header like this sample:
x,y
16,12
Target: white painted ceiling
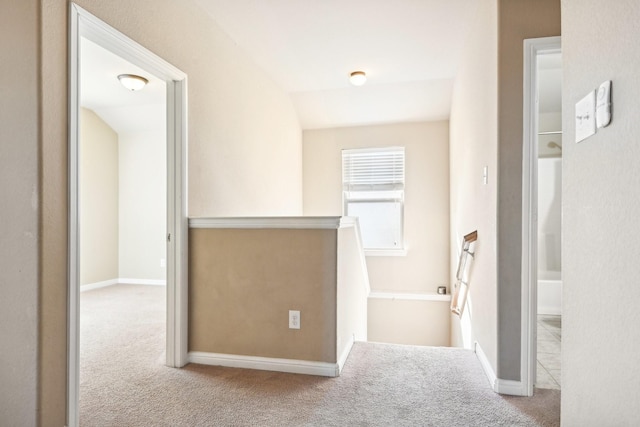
x,y
410,50
122,109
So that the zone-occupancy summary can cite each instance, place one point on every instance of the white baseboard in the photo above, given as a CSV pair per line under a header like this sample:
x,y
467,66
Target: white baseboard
x,y
98,285
151,282
111,282
513,388
265,363
486,366
550,310
345,354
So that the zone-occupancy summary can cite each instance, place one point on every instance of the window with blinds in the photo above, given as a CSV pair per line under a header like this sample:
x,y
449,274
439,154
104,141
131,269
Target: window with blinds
x,y
373,191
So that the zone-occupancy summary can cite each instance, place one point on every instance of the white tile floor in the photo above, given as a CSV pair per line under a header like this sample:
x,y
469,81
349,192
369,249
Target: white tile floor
x,y
549,343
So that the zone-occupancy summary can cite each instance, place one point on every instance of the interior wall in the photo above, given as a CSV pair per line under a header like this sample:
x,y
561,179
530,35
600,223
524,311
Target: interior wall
x,y
244,140
601,178
243,282
426,206
98,199
143,204
473,146
517,21
19,211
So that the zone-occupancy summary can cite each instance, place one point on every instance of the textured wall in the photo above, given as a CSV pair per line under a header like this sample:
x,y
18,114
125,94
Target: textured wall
x,y
98,199
244,141
426,210
143,205
601,207
19,211
474,118
242,284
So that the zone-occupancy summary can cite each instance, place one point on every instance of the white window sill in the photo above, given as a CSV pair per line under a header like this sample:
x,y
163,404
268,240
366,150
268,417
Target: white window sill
x,y
385,252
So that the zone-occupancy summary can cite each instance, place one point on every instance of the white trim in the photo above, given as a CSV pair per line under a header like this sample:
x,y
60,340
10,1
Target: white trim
x,y
98,285
407,296
300,222
84,24
512,388
123,281
550,310
345,354
385,252
486,366
265,363
149,282
532,48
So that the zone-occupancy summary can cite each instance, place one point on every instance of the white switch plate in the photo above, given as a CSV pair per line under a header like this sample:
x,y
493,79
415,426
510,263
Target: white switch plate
x,y
294,319
603,105
586,117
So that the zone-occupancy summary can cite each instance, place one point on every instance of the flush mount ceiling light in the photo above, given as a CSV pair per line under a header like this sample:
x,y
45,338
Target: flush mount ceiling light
x,y
132,82
357,78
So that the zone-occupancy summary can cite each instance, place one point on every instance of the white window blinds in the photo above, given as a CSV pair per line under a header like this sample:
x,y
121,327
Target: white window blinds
x,y
373,169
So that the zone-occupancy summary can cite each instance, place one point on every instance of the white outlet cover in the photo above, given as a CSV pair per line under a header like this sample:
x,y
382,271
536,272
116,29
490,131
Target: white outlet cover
x,y
586,117
294,319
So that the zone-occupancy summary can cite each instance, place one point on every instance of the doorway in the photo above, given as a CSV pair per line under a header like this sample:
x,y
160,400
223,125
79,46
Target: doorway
x,y
541,211
83,25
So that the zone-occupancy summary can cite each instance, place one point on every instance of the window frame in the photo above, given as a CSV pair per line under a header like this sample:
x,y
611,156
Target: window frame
x,y
385,195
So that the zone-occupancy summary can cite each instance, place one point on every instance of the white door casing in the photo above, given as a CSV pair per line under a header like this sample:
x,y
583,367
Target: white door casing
x,y
84,24
533,48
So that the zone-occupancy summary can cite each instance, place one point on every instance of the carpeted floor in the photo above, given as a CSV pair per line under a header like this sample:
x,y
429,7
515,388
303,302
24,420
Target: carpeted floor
x,y
123,381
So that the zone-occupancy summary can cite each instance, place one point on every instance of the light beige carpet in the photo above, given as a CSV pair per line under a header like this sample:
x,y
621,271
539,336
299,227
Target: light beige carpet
x,y
124,382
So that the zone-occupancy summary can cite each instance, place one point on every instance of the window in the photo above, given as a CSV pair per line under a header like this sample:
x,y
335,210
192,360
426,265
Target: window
x,y
373,190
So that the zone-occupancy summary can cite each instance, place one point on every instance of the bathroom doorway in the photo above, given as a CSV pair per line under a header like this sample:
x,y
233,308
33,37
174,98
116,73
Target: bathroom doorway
x,y
541,215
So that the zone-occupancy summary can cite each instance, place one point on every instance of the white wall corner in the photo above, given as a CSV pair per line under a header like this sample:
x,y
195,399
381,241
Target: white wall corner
x,y
291,366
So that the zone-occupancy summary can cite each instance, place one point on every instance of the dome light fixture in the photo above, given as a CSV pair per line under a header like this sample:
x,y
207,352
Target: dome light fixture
x,y
132,81
357,78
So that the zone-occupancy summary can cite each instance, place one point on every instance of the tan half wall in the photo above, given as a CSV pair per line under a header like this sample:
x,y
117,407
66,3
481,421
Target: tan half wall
x,y
246,274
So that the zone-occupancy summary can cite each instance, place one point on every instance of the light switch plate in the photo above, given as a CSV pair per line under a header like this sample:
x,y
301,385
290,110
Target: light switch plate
x,y
603,105
585,117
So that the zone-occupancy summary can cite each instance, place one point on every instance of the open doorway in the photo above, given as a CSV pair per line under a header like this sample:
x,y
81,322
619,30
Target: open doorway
x,y
541,215
123,225
84,25
549,215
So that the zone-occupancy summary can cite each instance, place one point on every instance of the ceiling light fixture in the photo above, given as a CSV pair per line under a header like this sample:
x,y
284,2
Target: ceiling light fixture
x,y
357,78
132,82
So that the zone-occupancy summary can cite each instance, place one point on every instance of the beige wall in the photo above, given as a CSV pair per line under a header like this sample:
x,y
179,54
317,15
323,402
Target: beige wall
x,y
409,322
238,119
19,211
98,199
601,207
426,214
242,284
491,80
143,204
474,142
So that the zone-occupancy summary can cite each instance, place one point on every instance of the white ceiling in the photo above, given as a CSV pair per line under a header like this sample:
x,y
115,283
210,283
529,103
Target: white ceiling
x,y
101,91
408,48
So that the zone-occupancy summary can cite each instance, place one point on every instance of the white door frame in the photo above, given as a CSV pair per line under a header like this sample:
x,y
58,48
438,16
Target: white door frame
x,y
84,24
532,49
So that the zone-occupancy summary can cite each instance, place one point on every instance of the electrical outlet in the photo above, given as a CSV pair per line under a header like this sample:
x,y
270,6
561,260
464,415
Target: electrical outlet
x,y
163,262
294,319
